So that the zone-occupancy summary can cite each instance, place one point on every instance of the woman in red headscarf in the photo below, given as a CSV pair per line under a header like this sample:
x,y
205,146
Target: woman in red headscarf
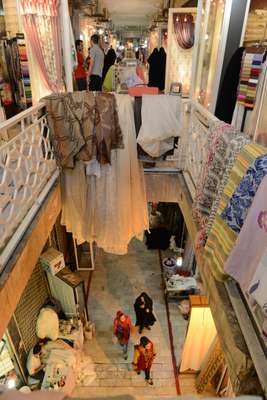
x,y
122,331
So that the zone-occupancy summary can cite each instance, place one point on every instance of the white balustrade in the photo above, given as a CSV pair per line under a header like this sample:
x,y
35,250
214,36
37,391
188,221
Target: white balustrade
x,y
27,172
197,143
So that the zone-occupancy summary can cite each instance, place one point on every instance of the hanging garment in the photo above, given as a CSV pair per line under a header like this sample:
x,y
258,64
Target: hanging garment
x,y
246,262
162,68
222,238
161,122
72,119
111,209
153,68
228,92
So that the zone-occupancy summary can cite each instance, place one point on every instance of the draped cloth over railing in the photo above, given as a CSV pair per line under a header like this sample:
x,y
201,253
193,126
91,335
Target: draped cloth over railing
x,y
184,29
41,25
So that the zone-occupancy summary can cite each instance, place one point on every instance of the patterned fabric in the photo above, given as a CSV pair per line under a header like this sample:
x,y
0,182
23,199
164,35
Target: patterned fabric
x,y
251,246
203,198
236,210
224,144
234,147
83,126
222,238
42,28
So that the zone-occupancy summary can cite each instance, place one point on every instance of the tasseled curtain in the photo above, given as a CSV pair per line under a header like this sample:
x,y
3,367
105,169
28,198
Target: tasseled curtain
x,y
184,29
42,29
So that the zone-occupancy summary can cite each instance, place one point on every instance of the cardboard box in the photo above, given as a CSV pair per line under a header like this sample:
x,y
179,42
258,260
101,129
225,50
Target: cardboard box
x,y
52,260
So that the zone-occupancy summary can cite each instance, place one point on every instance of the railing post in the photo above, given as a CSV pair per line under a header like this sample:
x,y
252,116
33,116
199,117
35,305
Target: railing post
x,y
66,43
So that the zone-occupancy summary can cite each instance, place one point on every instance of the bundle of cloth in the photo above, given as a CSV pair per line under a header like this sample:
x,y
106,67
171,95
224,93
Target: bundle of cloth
x,y
162,121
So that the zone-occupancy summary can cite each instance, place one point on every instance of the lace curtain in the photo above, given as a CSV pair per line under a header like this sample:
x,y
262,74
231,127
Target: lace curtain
x,y
184,29
41,25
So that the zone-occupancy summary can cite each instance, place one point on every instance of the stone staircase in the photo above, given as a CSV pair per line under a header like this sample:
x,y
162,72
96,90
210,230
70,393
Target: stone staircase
x,y
120,381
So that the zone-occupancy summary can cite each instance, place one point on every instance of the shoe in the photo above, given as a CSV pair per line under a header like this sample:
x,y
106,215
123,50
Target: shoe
x,y
150,381
138,372
148,327
140,331
125,356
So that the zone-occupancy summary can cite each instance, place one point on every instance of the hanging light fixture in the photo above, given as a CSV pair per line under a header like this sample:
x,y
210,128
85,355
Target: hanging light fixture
x,y
179,260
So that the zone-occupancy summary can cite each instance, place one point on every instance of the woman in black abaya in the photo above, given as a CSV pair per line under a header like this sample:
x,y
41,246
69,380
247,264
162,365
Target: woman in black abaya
x,y
153,78
143,307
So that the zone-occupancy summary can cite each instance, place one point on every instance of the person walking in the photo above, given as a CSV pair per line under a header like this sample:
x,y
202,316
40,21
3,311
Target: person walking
x,y
79,72
96,64
144,355
143,307
109,61
122,331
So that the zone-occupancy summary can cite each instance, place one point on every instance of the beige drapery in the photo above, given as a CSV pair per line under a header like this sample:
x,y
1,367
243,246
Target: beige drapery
x,y
200,335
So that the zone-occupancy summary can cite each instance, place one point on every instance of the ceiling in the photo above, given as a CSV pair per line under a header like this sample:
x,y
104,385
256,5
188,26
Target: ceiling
x,y
131,12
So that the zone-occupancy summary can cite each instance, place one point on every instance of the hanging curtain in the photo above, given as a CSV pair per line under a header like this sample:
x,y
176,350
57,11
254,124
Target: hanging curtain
x,y
184,29
41,25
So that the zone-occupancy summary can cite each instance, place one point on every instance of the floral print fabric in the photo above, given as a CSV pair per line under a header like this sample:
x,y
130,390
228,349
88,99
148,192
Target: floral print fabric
x,y
224,144
251,246
236,210
222,237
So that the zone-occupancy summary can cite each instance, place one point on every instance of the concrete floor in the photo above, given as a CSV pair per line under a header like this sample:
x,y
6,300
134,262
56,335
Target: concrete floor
x,y
116,282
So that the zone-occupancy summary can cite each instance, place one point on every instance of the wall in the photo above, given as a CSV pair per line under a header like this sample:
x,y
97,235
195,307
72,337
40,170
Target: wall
x,y
179,61
11,17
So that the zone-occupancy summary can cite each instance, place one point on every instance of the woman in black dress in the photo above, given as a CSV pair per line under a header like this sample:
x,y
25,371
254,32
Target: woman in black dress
x,y
143,307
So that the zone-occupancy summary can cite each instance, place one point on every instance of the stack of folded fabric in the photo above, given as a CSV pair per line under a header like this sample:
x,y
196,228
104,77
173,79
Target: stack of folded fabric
x,y
249,76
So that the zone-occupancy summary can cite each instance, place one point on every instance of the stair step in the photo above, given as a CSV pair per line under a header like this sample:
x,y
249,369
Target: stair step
x,y
137,381
126,393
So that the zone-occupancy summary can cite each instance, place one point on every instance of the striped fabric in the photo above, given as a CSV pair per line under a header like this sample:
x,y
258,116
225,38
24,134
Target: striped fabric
x,y
249,76
222,238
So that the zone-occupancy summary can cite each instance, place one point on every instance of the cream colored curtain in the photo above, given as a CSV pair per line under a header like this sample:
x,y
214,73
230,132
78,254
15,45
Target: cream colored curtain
x,y
200,335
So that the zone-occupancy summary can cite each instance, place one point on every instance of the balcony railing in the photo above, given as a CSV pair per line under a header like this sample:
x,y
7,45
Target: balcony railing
x,y
196,141
27,172
249,314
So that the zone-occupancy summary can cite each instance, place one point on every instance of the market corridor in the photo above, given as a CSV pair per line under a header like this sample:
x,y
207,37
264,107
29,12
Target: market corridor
x,y
116,282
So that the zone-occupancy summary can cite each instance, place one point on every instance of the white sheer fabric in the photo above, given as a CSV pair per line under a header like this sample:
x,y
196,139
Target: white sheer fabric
x,y
161,122
111,209
200,335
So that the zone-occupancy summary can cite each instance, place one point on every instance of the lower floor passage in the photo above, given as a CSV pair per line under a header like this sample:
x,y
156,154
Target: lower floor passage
x,y
116,283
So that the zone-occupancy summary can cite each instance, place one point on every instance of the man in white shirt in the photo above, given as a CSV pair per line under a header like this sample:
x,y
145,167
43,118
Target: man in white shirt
x,y
34,364
96,64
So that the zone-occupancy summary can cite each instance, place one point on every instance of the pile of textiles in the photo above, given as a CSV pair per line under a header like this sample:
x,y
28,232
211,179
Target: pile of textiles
x,y
103,190
62,361
181,283
249,75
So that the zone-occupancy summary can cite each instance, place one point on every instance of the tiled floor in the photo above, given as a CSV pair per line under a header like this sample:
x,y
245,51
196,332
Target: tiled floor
x,y
116,282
